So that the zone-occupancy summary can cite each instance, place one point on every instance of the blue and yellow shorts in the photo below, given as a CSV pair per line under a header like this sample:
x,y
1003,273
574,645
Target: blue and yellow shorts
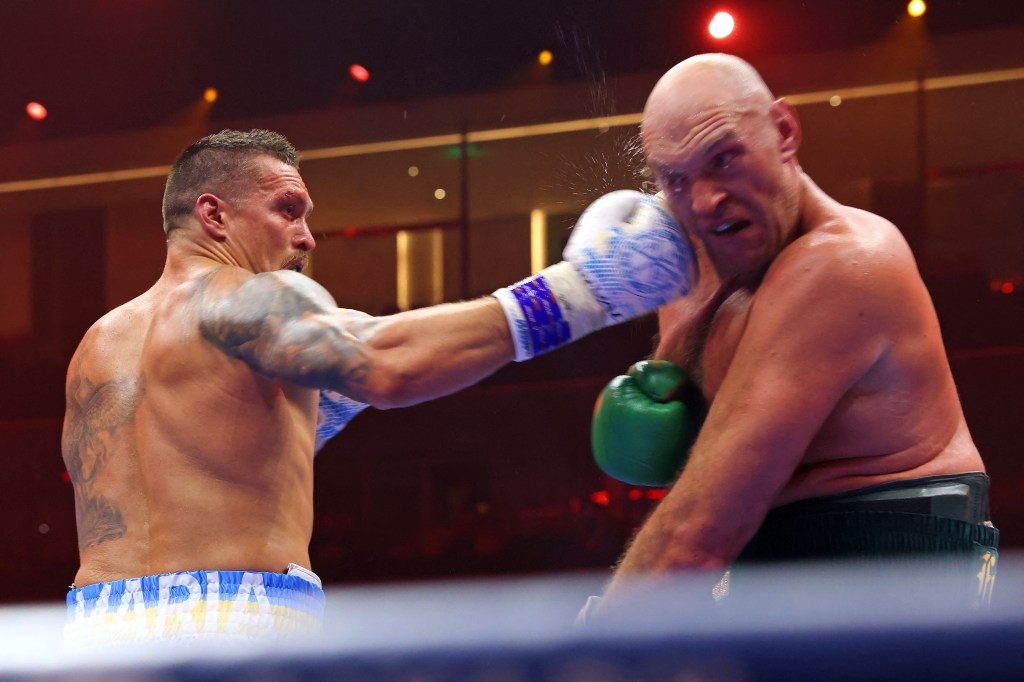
x,y
223,605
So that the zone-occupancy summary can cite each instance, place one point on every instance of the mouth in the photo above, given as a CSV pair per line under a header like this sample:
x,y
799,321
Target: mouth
x,y
730,227
297,264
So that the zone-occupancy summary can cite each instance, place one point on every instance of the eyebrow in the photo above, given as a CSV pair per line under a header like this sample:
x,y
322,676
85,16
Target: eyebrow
x,y
725,138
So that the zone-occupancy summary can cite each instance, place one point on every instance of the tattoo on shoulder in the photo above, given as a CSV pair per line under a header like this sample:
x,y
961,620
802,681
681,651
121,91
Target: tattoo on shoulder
x,y
93,433
268,322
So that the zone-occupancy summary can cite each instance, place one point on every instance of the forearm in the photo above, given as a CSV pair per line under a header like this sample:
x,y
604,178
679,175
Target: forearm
x,y
421,354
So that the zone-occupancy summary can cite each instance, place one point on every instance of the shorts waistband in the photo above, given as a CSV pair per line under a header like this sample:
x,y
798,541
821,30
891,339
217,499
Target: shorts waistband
x,y
960,497
189,604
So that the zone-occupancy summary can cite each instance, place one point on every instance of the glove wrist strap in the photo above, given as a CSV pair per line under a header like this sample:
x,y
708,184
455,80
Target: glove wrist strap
x,y
549,309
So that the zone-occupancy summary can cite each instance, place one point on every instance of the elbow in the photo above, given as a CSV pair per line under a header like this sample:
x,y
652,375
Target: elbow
x,y
388,385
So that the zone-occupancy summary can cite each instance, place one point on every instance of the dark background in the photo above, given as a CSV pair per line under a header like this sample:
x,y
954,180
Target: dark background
x,y
390,505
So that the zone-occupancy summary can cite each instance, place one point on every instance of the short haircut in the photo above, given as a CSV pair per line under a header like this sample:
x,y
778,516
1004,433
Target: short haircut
x,y
217,163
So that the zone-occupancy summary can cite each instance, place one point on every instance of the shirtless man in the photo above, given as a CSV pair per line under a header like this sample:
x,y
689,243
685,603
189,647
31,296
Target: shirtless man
x,y
816,347
192,410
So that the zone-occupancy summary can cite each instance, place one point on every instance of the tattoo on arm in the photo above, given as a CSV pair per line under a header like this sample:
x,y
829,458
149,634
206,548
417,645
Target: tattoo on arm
x,y
285,326
94,419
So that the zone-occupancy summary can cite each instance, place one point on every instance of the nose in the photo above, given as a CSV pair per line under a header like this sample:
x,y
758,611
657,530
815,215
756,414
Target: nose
x,y
706,197
303,239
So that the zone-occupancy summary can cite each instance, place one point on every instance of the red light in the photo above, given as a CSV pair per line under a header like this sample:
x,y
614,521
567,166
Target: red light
x,y
359,73
35,111
1007,288
635,494
66,477
721,25
350,232
600,497
656,493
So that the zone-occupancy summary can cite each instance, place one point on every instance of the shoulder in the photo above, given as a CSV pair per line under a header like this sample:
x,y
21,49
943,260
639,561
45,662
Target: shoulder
x,y
854,255
279,285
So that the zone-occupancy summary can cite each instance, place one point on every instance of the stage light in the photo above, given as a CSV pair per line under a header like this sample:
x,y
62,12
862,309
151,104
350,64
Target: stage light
x,y
35,111
545,57
721,25
439,193
916,8
359,73
210,95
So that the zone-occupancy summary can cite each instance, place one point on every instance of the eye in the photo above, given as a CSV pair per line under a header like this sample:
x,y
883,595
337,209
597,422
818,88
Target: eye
x,y
722,160
672,181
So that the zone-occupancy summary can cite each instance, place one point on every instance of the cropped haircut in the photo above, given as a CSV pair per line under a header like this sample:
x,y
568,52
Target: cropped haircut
x,y
219,163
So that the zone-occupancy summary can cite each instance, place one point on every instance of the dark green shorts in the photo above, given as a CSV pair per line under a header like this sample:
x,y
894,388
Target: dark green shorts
x,y
940,517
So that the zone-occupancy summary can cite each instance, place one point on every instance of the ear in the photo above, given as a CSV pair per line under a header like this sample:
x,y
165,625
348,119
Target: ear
x,y
788,125
210,214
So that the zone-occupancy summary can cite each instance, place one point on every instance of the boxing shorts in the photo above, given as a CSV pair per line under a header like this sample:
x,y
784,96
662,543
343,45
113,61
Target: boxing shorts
x,y
940,519
196,605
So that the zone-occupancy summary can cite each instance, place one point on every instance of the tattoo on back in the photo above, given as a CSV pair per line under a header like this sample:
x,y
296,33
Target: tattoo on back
x,y
96,415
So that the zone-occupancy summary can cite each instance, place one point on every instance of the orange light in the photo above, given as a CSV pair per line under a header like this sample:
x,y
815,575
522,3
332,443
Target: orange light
x,y
35,111
600,497
916,8
545,57
1007,288
721,25
359,73
210,95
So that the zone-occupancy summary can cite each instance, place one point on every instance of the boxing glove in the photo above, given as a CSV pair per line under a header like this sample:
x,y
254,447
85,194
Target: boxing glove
x,y
641,433
626,256
333,413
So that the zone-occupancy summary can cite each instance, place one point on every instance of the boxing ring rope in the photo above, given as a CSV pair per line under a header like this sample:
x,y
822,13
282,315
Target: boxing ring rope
x,y
801,622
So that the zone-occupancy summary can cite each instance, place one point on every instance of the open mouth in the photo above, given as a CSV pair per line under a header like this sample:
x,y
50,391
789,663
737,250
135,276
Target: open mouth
x,y
295,265
730,227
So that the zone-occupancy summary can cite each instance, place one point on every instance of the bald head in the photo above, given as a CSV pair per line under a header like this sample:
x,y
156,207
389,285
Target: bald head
x,y
701,84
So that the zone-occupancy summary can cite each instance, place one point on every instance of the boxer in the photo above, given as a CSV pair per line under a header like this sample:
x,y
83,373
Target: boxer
x,y
194,410
833,426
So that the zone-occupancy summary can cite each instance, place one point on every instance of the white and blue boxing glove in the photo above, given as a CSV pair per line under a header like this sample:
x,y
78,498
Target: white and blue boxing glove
x,y
333,413
626,256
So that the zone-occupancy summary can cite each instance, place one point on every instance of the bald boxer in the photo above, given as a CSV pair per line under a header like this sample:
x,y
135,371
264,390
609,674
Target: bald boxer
x,y
834,428
194,410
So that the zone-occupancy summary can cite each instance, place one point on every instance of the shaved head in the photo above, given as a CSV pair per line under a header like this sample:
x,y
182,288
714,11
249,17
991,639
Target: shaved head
x,y
700,84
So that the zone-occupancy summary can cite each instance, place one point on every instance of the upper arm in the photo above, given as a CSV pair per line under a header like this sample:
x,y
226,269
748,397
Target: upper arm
x,y
283,325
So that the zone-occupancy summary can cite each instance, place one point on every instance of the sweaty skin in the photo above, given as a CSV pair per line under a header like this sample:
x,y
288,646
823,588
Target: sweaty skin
x,y
191,409
814,340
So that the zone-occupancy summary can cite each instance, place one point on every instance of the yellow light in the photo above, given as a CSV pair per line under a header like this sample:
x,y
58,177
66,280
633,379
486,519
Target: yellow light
x,y
538,240
210,95
545,57
916,8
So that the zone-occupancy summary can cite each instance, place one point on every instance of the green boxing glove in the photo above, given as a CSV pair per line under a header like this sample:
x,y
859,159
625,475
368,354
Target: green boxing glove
x,y
641,434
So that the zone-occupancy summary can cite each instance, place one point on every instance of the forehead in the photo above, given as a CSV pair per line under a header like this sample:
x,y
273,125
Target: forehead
x,y
679,134
274,176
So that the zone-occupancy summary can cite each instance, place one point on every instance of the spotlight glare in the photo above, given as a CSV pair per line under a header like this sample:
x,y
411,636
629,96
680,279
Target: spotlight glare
x,y
721,25
916,8
35,111
439,193
359,73
545,57
210,95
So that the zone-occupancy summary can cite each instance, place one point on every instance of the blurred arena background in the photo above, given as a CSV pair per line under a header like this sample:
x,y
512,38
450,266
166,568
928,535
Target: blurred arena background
x,y
456,166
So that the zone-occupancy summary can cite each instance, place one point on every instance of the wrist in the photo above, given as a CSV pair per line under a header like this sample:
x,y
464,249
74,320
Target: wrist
x,y
549,310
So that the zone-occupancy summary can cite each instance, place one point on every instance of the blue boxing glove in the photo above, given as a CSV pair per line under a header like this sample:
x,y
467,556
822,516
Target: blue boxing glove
x,y
333,413
626,256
